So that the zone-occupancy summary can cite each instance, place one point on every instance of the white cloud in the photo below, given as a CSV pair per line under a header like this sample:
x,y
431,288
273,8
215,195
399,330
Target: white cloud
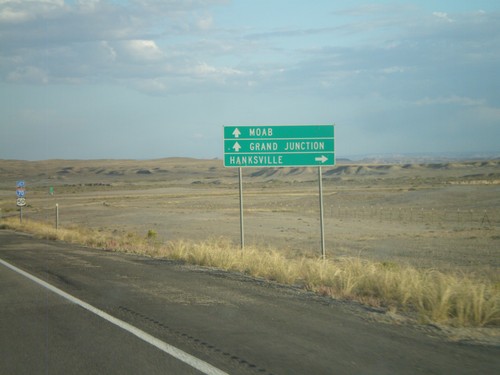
x,y
443,16
19,11
109,51
490,115
13,16
105,40
143,50
394,69
204,69
176,43
205,23
397,70
198,136
150,86
476,108
28,74
88,5
451,100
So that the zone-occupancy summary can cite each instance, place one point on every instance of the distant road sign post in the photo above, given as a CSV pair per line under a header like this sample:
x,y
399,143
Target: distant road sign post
x,y
280,146
21,200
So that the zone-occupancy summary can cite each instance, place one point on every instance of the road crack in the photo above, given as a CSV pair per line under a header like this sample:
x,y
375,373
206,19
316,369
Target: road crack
x,y
195,341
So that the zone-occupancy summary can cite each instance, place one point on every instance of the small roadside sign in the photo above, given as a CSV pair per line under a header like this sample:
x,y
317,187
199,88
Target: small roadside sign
x,y
21,200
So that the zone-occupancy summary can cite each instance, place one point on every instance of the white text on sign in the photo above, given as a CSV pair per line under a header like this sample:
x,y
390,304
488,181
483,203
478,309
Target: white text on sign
x,y
260,132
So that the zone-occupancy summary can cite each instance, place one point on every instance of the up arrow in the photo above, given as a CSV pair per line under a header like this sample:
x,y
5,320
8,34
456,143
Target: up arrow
x,y
236,133
237,146
321,158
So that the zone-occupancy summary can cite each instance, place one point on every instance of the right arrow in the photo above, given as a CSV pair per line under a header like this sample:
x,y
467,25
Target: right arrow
x,y
321,158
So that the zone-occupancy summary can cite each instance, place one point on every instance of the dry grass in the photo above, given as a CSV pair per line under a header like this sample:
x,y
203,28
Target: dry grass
x,y
456,300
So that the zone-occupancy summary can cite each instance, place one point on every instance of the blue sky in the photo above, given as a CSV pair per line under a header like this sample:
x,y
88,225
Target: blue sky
x,y
144,79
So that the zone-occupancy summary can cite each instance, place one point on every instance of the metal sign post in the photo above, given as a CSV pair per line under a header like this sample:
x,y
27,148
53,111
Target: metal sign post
x,y
57,216
321,216
242,227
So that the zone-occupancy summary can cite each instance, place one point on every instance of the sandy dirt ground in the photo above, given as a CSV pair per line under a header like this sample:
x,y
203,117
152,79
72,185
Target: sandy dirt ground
x,y
442,215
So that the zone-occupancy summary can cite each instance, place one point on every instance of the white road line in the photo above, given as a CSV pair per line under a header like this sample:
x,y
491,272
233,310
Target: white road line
x,y
192,361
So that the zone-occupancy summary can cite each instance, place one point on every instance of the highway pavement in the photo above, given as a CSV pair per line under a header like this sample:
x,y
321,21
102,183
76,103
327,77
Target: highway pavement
x,y
108,313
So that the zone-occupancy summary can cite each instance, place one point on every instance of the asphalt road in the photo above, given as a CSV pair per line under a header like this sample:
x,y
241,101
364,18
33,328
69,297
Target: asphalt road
x,y
234,323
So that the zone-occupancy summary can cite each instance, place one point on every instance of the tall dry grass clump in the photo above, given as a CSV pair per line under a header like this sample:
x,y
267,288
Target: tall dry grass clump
x,y
78,235
435,296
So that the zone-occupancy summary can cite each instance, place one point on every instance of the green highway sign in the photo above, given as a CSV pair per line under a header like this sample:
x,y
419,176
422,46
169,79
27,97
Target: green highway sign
x,y
279,146
279,131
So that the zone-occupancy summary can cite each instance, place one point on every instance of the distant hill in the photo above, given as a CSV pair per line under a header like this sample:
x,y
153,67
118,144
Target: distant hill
x,y
182,171
421,158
